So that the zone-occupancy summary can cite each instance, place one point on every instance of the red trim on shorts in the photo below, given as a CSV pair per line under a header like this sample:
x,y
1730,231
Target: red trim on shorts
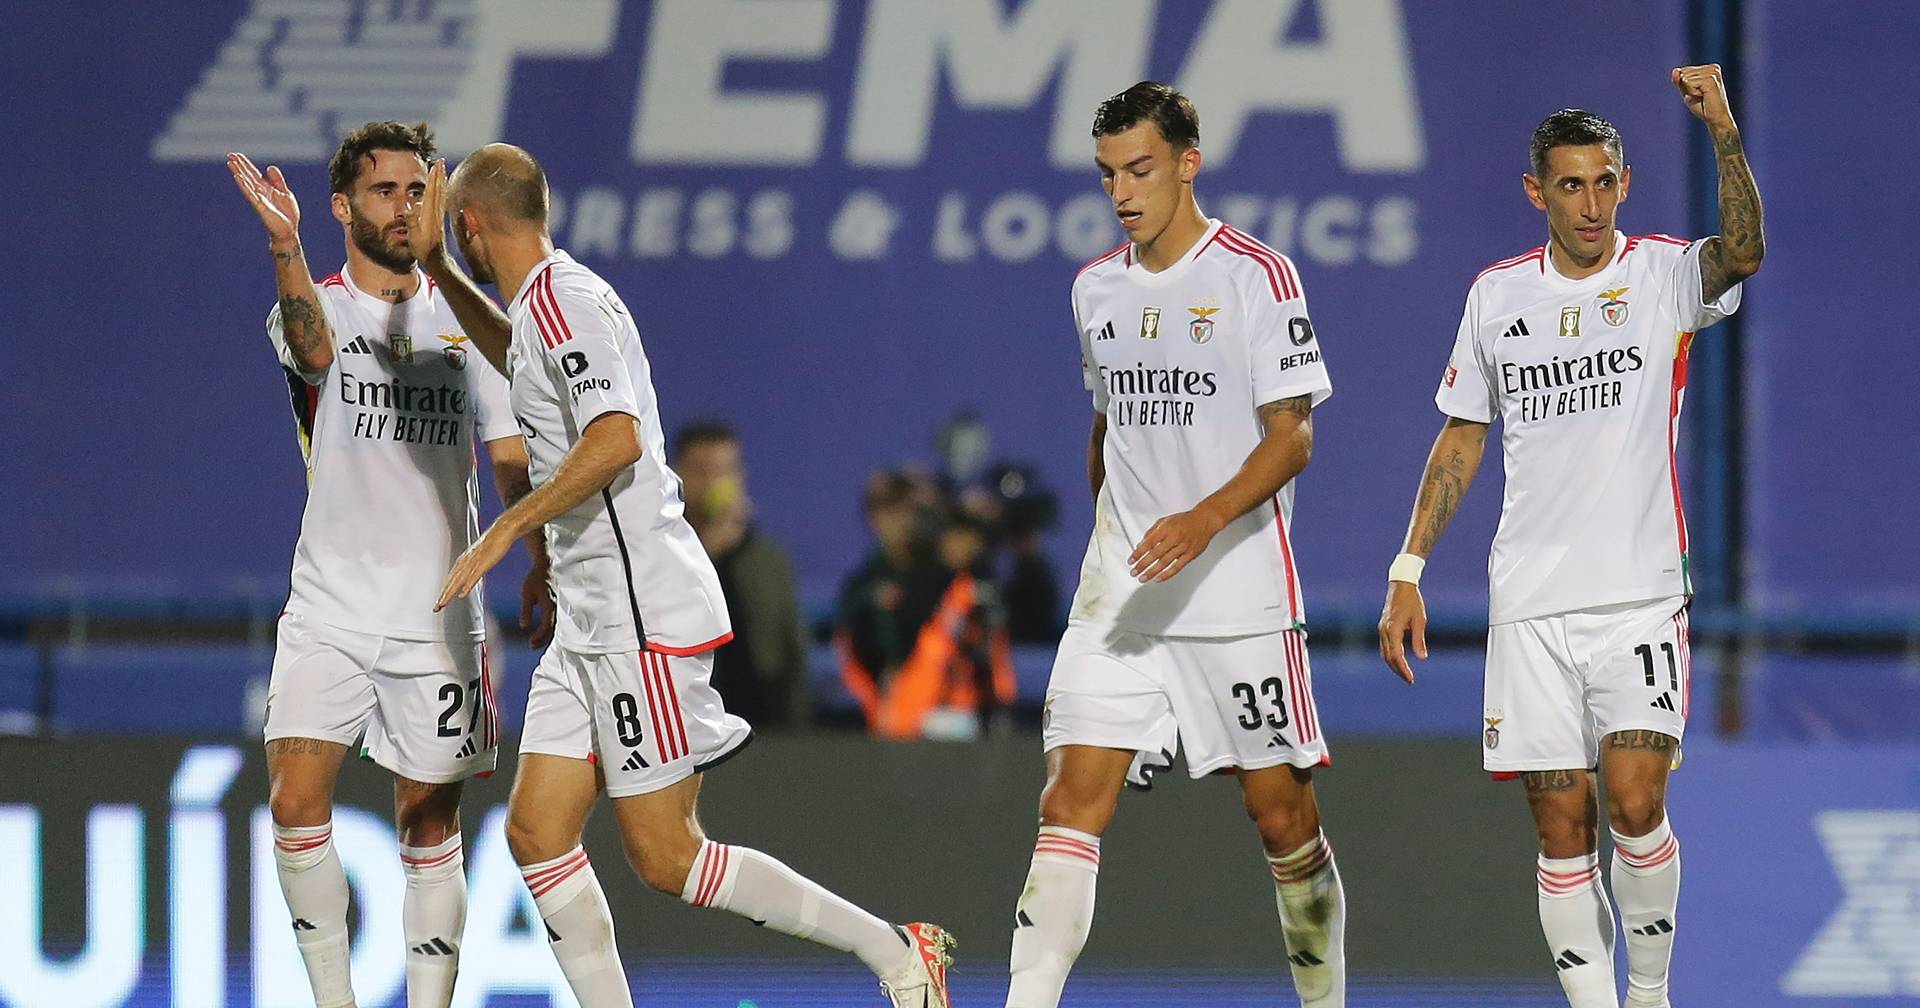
x,y
688,652
673,704
653,706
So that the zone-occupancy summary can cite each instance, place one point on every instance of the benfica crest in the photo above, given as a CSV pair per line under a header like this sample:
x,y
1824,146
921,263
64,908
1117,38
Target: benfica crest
x,y
1493,732
1201,328
1614,307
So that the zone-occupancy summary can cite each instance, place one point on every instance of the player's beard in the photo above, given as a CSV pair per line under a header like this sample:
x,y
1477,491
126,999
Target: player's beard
x,y
373,243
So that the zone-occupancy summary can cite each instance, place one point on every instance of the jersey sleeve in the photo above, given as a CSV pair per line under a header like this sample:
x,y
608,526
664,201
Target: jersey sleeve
x,y
1284,351
492,406
1089,375
276,333
1689,303
1466,390
581,337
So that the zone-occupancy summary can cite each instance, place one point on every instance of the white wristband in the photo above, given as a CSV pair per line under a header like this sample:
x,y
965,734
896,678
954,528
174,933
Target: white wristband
x,y
1407,567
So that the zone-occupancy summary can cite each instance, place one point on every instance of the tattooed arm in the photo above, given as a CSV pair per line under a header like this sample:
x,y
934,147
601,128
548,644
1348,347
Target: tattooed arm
x,y
1286,444
1734,254
1450,468
303,323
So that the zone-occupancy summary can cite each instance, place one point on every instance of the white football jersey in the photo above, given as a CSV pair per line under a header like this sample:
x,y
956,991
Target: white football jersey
x,y
389,433
1587,378
628,570
1179,361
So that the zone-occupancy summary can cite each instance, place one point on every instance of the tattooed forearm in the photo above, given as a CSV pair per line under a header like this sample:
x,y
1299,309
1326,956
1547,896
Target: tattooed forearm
x,y
287,257
1640,738
1736,253
1450,468
1298,407
303,324
1552,780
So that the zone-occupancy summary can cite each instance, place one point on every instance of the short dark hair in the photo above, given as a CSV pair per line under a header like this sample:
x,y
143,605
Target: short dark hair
x,y
344,170
702,432
1572,127
1154,102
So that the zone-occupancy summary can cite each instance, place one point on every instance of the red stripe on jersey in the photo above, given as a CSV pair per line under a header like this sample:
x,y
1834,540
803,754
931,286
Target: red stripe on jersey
x,y
1289,280
1106,257
687,652
336,280
1673,435
1278,276
1667,238
653,706
553,305
1530,255
549,334
1286,561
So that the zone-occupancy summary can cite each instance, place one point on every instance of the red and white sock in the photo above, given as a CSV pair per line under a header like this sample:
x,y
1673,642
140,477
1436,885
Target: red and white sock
x,y
1055,912
1313,920
1578,923
433,914
1646,884
744,881
316,889
579,928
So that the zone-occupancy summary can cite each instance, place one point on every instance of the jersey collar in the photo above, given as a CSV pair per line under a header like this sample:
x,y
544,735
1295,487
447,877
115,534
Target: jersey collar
x,y
1140,275
1552,272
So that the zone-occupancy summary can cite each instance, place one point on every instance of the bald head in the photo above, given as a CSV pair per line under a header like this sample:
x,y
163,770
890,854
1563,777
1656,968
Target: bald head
x,y
502,182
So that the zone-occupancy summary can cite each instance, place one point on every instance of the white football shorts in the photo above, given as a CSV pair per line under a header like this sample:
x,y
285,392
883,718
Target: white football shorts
x,y
649,719
425,709
1244,702
1557,685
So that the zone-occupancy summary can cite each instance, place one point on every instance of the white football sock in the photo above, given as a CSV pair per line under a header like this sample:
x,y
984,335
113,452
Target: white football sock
x,y
1646,884
1578,924
1313,920
744,881
1055,912
432,917
579,928
316,889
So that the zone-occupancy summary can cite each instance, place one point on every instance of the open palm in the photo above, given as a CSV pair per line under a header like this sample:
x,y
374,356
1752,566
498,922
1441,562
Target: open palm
x,y
270,197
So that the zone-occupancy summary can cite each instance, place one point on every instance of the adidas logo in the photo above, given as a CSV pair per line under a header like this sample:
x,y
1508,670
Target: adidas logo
x,y
1106,332
634,762
1306,959
1664,701
1516,330
1277,741
471,748
1568,960
359,345
1659,927
1020,919
302,924
435,947
552,935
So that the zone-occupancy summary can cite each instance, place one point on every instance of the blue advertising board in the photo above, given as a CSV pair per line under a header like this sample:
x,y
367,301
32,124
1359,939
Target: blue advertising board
x,y
841,223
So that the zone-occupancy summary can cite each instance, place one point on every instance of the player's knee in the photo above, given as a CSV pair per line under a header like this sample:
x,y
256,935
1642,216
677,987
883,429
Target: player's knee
x,y
663,862
530,843
293,805
426,814
1635,813
1077,807
1283,828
